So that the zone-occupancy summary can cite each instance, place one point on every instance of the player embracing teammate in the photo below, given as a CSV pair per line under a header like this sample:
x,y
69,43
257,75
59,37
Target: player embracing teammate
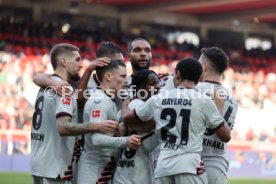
x,y
181,114
181,121
214,62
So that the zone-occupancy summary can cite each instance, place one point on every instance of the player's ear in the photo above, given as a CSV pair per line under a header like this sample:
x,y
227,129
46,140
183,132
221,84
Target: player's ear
x,y
108,76
62,61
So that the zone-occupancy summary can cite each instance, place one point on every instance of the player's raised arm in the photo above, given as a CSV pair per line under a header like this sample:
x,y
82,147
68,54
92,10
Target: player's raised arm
x,y
100,62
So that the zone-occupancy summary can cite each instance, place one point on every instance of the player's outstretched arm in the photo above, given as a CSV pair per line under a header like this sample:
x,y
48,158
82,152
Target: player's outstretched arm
x,y
106,141
100,62
67,128
44,80
145,127
128,115
131,119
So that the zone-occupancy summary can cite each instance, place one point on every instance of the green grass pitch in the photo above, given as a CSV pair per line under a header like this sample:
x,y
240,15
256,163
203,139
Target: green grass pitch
x,y
25,178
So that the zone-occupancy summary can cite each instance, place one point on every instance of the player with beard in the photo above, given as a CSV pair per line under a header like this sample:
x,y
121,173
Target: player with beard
x,y
214,62
140,56
105,52
54,125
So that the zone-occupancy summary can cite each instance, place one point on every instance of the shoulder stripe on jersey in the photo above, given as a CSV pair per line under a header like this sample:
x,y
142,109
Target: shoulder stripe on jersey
x,y
228,113
63,114
137,117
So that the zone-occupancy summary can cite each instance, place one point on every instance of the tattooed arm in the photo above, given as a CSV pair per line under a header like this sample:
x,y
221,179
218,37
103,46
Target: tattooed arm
x,y
67,128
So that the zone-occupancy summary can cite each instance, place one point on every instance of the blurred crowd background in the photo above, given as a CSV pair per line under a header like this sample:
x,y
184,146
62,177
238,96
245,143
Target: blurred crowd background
x,y
176,29
24,51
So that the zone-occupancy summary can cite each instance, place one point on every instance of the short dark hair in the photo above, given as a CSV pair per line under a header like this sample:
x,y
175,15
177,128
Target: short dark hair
x,y
189,69
129,44
100,71
108,49
217,58
61,48
141,78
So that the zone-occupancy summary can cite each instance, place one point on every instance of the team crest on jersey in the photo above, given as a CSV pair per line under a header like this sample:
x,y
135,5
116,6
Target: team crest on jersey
x,y
96,113
66,101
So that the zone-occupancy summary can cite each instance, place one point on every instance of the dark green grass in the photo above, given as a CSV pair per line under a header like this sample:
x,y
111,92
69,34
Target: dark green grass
x,y
15,178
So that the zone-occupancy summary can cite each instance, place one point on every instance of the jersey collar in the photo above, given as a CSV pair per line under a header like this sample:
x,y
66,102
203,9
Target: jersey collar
x,y
113,99
56,75
213,82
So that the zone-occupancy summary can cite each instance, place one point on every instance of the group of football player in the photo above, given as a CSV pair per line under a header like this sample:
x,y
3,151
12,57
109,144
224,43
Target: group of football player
x,y
167,129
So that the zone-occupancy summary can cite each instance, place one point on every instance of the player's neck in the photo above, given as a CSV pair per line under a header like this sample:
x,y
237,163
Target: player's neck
x,y
212,77
186,84
63,74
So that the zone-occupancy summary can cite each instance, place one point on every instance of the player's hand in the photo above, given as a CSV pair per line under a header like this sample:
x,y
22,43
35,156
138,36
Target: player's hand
x,y
99,62
108,126
62,88
134,141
